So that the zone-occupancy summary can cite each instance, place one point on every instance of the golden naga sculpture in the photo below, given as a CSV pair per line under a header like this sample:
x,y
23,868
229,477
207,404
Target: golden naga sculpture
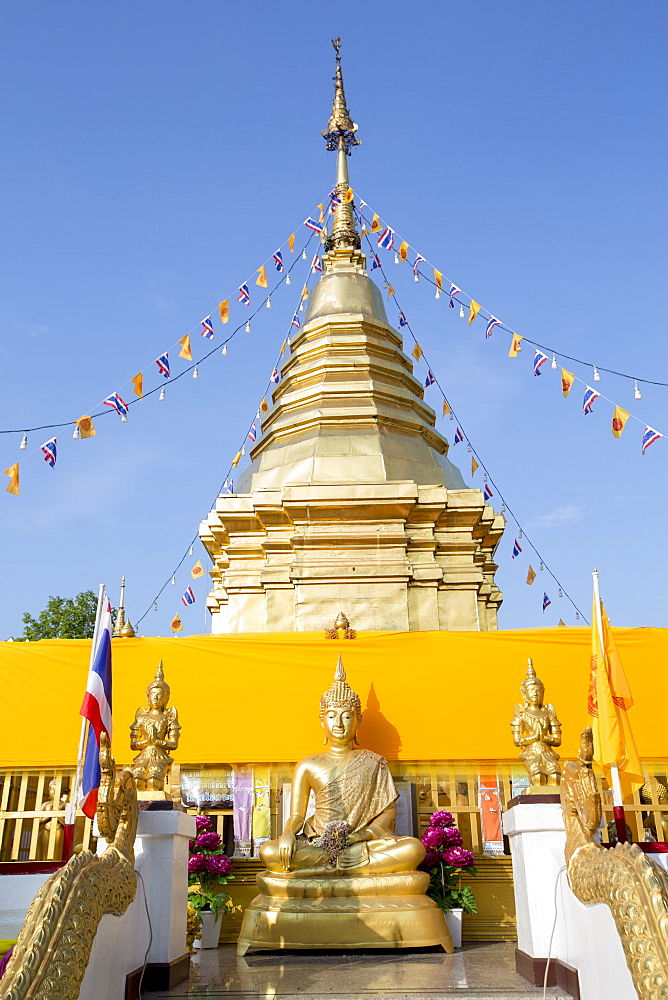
x,y
53,948
622,878
341,878
537,729
154,732
342,629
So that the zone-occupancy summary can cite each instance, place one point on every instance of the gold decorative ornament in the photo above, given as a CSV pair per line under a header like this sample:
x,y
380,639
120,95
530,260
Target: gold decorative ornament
x,y
536,728
328,868
622,878
53,948
122,626
650,822
154,733
341,630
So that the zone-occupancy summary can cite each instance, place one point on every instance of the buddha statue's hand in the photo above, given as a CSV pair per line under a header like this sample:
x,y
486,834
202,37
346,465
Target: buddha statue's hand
x,y
287,843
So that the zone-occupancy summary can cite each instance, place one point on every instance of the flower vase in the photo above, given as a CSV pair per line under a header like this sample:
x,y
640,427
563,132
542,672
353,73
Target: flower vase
x,y
453,919
210,930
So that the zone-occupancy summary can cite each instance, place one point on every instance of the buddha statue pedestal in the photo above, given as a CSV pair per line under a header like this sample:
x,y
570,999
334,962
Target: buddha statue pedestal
x,y
343,912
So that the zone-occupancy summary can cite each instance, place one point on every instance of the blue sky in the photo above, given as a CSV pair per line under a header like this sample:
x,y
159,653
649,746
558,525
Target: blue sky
x,y
156,155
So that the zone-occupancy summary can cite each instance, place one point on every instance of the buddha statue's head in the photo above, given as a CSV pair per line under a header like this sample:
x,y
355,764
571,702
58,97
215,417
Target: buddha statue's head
x,y
340,709
157,692
532,688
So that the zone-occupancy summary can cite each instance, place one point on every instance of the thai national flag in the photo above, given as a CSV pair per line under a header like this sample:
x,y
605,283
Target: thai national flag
x,y
188,597
315,263
649,436
252,434
96,707
493,321
207,328
295,321
117,403
453,291
538,359
163,365
419,259
487,493
429,379
312,224
244,295
590,397
376,262
546,601
50,452
278,261
402,320
386,238
517,548
458,436
334,198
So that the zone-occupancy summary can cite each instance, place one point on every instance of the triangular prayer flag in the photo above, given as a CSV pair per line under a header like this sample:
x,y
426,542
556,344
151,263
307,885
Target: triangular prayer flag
x,y
321,216
515,345
86,426
197,570
474,466
619,419
264,405
291,243
438,278
390,291
375,224
138,385
304,292
236,460
261,279
446,408
403,250
283,346
474,309
561,623
224,311
417,352
531,575
567,380
176,624
13,473
185,351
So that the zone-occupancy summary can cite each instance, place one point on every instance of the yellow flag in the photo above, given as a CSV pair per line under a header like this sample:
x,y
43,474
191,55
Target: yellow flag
x,y
176,624
291,243
348,196
261,279
438,278
417,352
304,292
608,704
138,385
619,419
561,623
13,473
567,380
474,309
197,570
185,351
86,426
515,345
390,291
236,460
283,346
321,216
531,575
446,408
264,405
474,466
375,224
224,311
403,250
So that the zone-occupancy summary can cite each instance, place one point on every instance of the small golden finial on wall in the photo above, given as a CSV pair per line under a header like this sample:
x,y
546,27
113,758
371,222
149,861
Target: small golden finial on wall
x,y
342,629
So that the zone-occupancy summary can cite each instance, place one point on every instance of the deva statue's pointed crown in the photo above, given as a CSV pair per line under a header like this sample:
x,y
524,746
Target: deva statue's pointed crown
x,y
340,694
159,681
530,678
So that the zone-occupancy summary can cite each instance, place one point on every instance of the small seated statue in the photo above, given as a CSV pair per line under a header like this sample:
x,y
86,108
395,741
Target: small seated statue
x,y
342,878
154,733
537,729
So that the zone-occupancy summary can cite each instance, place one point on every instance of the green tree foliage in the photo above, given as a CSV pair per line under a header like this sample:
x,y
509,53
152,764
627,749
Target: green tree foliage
x,y
62,618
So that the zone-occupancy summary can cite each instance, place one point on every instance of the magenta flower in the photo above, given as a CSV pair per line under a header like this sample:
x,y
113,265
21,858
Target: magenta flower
x,y
203,823
211,841
458,857
433,837
431,859
441,818
218,864
451,837
196,864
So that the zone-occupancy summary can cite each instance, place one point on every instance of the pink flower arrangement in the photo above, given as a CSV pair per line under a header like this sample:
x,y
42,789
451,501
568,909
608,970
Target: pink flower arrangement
x,y
202,823
441,818
208,867
458,857
217,864
447,860
433,837
197,863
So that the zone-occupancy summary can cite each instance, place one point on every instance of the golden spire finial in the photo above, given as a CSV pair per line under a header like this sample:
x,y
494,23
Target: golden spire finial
x,y
340,694
340,136
159,680
122,627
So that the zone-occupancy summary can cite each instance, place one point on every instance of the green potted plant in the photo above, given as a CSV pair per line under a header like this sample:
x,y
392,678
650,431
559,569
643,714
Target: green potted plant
x,y
447,862
208,868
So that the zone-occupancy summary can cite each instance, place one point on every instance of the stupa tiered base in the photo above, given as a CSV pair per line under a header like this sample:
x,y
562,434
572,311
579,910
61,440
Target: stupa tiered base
x,y
343,912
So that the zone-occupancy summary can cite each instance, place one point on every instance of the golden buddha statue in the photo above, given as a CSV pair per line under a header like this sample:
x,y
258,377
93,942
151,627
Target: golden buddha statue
x,y
154,733
537,729
47,825
342,878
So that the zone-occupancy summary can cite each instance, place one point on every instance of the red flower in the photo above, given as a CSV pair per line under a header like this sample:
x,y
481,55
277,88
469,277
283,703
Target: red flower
x,y
458,857
210,841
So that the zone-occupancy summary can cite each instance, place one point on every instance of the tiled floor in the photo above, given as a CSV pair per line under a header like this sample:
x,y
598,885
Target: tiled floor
x,y
478,971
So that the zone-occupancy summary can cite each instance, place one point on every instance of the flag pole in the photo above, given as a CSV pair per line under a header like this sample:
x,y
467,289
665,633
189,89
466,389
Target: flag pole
x,y
71,807
617,799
